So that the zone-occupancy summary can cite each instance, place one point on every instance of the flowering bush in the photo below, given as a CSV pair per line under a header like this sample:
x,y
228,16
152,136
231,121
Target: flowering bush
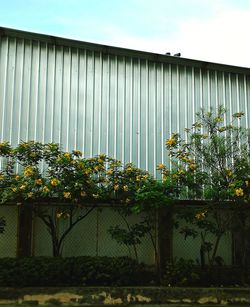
x,y
35,173
211,162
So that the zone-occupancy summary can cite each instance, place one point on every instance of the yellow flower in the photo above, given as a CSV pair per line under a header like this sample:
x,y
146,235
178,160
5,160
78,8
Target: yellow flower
x,y
116,187
219,119
54,182
23,187
239,192
39,181
229,173
129,169
87,171
175,176
161,166
180,172
171,142
102,157
1,177
17,177
145,177
125,188
110,172
14,189
95,195
58,215
192,166
138,178
201,215
246,183
66,194
28,171
30,194
46,189
67,155
83,193
77,152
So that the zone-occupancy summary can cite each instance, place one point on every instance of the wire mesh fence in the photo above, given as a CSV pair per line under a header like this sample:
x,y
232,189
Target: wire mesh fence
x,y
107,231
9,236
91,235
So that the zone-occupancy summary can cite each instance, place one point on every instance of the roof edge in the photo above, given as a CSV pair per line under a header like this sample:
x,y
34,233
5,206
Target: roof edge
x,y
106,49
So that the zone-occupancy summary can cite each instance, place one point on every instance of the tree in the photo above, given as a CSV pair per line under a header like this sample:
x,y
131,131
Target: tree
x,y
211,162
34,173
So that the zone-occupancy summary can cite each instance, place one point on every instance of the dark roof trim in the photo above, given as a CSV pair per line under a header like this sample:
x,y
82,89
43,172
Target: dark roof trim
x,y
160,58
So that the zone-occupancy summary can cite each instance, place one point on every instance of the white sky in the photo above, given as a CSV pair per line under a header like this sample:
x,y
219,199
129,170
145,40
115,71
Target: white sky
x,y
209,30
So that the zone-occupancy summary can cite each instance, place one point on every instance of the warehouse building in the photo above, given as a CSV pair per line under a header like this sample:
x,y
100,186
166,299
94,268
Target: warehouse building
x,y
103,99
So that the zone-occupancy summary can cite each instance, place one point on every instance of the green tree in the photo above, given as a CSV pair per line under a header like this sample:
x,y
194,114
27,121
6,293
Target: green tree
x,y
35,173
211,163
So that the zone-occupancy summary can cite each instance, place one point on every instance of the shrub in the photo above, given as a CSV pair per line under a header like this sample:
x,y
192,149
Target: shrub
x,y
180,272
72,271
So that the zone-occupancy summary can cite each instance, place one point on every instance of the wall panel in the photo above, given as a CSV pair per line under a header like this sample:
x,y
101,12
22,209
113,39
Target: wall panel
x,y
124,106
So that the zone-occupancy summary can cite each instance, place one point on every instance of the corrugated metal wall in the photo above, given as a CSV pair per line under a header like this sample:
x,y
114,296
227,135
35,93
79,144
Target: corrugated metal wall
x,y
98,103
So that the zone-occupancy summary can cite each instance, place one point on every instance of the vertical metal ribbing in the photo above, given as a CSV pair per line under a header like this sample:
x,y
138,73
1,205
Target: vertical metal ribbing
x,y
13,85
37,97
193,96
29,93
178,98
131,113
185,100
68,100
108,108
245,101
155,121
146,115
77,102
139,116
162,113
53,98
20,102
123,110
230,94
216,90
4,59
61,102
201,89
237,93
45,96
224,90
84,102
208,90
100,105
170,104
92,107
115,107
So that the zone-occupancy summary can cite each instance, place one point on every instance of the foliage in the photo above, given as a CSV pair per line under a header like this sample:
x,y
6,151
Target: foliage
x,y
66,176
131,236
35,173
180,272
211,162
74,271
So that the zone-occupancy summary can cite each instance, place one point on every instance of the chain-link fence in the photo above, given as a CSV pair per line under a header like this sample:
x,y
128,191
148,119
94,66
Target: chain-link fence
x,y
103,230
80,231
9,236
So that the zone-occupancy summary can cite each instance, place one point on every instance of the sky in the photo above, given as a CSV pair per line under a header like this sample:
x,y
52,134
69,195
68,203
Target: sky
x,y
209,30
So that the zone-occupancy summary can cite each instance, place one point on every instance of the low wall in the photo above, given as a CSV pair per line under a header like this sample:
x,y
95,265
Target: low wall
x,y
96,296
